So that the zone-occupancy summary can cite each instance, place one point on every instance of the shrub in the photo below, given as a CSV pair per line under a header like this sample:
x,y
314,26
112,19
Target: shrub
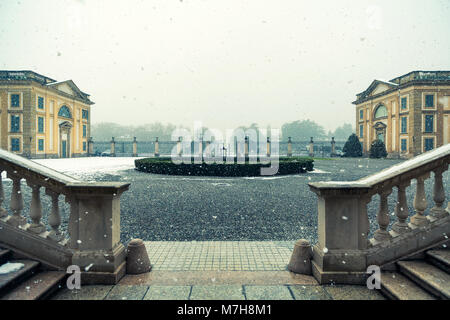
x,y
352,147
291,165
378,149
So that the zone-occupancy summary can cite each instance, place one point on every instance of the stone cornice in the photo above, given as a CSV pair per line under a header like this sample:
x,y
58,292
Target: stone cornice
x,y
431,83
44,88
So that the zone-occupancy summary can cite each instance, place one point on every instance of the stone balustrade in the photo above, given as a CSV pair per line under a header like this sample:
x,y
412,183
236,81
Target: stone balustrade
x,y
93,238
344,250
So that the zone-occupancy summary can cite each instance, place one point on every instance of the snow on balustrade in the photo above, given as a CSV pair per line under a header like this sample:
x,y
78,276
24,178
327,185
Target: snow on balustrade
x,y
19,161
350,236
94,221
391,172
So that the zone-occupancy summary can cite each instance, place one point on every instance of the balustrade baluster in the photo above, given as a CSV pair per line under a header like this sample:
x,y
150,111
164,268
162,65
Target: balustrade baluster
x,y
54,219
36,226
16,202
420,202
3,212
383,216
401,209
438,211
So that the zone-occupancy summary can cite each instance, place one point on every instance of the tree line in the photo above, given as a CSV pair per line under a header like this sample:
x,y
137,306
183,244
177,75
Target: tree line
x,y
299,130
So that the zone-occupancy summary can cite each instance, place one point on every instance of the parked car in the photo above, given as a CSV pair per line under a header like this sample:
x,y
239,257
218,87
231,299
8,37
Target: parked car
x,y
106,153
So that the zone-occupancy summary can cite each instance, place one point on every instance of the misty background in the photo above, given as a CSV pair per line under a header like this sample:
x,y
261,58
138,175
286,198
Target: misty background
x,y
153,65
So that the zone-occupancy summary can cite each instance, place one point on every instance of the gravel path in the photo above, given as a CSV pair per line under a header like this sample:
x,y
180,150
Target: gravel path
x,y
169,208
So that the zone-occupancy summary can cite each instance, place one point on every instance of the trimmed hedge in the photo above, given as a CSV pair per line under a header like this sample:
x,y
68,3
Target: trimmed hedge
x,y
292,165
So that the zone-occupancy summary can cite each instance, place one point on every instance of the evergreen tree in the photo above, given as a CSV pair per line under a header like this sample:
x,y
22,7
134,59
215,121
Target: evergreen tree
x,y
352,147
378,149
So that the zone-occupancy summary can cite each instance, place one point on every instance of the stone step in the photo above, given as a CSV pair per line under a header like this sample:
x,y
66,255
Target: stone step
x,y
40,286
397,287
9,280
4,255
440,258
429,277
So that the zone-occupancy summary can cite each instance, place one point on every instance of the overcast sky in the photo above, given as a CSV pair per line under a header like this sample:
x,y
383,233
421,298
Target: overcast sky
x,y
225,63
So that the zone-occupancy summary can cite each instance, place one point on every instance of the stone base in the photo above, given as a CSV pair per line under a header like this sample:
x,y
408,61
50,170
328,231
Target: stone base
x,y
103,277
337,277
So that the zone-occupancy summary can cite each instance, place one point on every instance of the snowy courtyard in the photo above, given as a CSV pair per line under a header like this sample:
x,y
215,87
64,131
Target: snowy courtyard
x,y
183,208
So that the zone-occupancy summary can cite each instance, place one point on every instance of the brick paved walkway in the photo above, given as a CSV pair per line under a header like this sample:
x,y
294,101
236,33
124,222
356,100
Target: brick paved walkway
x,y
219,255
219,270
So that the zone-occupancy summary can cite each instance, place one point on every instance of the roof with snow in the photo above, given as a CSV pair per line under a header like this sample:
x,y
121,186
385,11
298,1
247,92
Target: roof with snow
x,y
380,87
65,88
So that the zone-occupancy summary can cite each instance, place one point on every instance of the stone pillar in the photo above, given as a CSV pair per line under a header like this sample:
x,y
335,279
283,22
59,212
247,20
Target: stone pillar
x,y
342,226
135,153
90,147
156,147
94,229
246,148
207,151
113,147
179,146
333,147
200,148
311,148
268,147
289,151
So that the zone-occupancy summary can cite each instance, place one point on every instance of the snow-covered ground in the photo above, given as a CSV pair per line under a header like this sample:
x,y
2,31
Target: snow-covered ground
x,y
92,168
89,168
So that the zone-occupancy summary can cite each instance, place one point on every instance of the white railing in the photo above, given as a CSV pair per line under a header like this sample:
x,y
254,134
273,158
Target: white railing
x,y
344,250
93,239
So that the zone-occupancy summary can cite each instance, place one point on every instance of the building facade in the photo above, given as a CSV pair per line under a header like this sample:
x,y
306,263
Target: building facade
x,y
43,118
410,114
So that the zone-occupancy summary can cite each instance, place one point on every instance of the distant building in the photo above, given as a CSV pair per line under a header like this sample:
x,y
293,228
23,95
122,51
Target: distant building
x,y
410,114
42,118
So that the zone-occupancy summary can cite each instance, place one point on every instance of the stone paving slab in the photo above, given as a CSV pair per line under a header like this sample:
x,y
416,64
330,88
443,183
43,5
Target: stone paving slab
x,y
168,293
219,255
348,292
267,293
301,292
93,292
177,278
221,292
127,293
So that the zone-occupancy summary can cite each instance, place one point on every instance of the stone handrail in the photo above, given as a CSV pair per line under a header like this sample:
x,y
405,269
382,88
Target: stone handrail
x,y
93,239
344,250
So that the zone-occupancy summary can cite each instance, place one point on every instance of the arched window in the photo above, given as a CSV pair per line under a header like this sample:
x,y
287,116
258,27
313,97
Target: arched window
x,y
380,112
64,111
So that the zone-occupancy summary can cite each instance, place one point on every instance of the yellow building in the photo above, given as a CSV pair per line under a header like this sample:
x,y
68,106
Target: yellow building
x,y
410,114
42,118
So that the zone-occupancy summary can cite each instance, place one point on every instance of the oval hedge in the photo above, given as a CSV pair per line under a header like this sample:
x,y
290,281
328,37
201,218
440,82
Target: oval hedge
x,y
292,165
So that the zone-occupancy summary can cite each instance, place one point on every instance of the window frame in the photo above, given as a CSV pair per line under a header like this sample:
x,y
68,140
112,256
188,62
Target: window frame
x,y
19,124
424,98
424,143
432,123
11,145
39,140
401,124
84,114
406,108
381,105
65,107
401,145
38,105
20,94
38,124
